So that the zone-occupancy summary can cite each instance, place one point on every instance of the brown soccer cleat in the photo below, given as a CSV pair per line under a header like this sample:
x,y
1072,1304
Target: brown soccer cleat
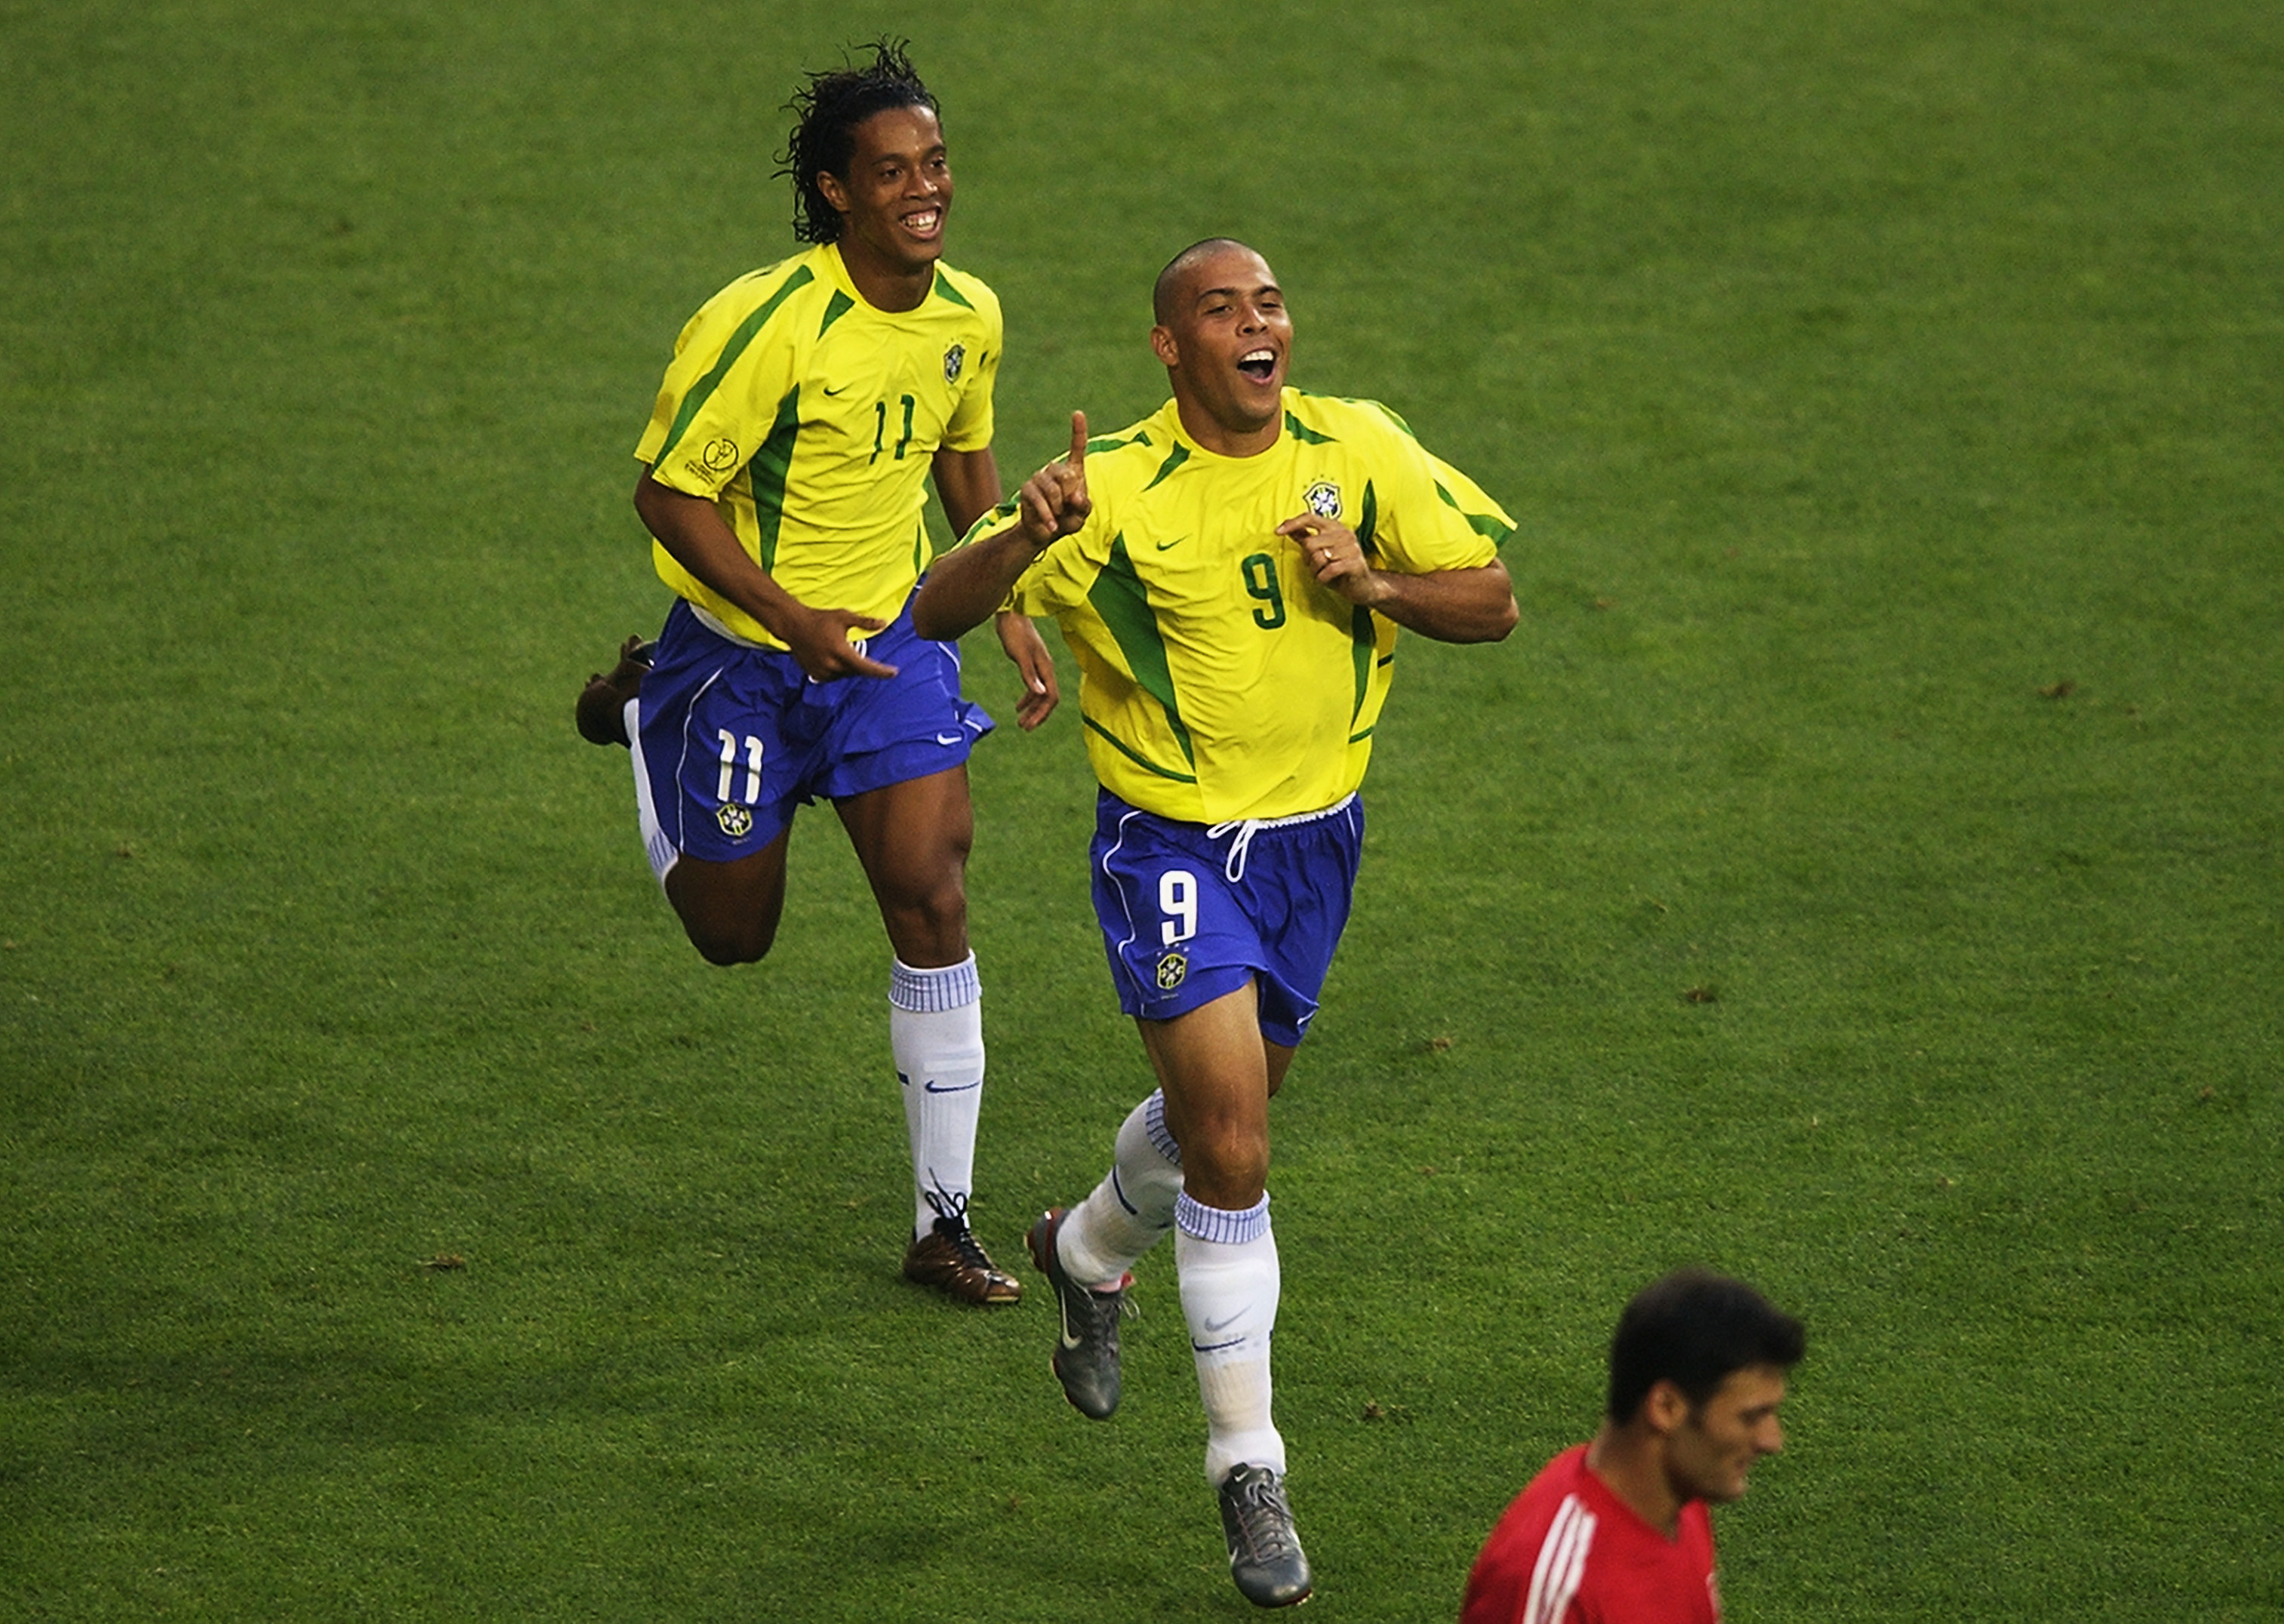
x,y
951,1259
602,709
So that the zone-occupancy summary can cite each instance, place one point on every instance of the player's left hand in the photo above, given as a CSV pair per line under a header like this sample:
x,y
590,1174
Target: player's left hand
x,y
1024,645
1331,553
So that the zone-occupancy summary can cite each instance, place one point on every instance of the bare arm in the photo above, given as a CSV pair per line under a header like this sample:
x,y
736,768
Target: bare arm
x,y
1450,605
695,536
967,585
967,483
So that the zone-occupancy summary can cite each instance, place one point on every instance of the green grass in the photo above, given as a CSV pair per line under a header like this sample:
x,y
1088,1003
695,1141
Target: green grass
x,y
1890,399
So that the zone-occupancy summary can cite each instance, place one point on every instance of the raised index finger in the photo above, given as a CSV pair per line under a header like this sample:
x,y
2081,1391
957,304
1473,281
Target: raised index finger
x,y
1078,442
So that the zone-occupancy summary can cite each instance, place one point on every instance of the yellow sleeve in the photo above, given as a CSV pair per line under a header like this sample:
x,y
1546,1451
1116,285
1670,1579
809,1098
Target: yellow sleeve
x,y
1438,519
971,425
734,370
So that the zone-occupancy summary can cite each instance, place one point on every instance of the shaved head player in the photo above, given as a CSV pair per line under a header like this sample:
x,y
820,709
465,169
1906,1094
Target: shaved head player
x,y
1229,573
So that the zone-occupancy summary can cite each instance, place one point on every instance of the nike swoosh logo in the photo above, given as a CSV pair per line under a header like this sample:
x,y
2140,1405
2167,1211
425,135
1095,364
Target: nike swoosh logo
x,y
1177,541
830,391
1069,1341
954,1088
947,739
1214,1327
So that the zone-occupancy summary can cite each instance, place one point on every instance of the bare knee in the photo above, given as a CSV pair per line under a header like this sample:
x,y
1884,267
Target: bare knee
x,y
1228,1168
930,926
729,912
733,945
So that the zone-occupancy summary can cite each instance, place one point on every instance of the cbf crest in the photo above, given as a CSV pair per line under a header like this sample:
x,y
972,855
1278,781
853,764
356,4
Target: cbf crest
x,y
1173,970
954,359
1324,499
737,821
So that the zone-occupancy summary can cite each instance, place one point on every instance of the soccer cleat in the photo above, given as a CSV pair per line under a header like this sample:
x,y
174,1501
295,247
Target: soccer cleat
x,y
602,709
951,1259
1265,1558
1086,1346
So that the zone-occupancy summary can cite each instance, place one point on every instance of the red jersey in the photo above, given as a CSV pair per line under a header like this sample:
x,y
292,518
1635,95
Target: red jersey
x,y
1569,1551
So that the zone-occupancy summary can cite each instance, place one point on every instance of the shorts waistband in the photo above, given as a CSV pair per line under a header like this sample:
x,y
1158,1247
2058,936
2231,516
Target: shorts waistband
x,y
714,626
1342,805
1246,828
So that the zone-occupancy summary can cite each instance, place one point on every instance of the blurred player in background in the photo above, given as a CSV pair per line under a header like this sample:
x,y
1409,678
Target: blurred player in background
x,y
1229,573
1616,1531
783,481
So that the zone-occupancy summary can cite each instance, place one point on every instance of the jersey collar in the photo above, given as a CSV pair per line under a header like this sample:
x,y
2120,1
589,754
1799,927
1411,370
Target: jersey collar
x,y
1171,414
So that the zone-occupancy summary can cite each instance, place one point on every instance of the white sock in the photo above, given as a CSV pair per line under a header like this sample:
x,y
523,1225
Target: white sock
x,y
1131,1208
935,1031
1230,1279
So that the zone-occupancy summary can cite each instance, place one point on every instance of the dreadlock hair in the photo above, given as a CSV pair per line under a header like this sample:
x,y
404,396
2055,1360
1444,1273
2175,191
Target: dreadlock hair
x,y
827,111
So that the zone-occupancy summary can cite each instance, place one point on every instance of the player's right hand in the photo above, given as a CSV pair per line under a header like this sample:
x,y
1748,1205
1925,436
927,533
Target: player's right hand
x,y
1053,502
820,641
1042,691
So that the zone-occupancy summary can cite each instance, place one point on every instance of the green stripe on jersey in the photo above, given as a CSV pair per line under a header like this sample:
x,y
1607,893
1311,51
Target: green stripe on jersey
x,y
767,472
1390,413
1362,643
1116,742
1119,596
1181,453
703,389
943,287
1306,435
841,306
1484,524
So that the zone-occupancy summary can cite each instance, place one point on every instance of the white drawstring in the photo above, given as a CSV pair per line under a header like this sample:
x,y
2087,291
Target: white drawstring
x,y
1233,866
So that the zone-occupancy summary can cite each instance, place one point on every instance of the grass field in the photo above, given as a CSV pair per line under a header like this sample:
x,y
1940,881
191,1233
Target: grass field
x,y
1892,397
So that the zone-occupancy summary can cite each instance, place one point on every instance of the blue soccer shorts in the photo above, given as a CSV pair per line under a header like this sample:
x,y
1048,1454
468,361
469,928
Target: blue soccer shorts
x,y
1190,914
730,738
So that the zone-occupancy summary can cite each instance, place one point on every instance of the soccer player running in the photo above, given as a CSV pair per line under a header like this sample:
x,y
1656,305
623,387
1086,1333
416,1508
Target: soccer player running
x,y
783,482
1229,573
1616,1531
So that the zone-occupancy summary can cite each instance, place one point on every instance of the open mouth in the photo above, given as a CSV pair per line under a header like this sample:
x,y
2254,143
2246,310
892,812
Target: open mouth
x,y
1260,365
925,222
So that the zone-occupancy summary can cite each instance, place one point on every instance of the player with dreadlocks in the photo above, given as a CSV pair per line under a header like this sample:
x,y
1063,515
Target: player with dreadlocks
x,y
783,482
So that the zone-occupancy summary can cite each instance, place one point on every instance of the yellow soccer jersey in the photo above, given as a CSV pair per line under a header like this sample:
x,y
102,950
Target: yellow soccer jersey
x,y
809,418
1217,679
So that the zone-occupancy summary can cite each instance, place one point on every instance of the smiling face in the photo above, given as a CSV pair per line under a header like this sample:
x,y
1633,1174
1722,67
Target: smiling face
x,y
1717,1444
1226,338
894,200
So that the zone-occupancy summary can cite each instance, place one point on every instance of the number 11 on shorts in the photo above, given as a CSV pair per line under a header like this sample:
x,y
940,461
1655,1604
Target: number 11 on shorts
x,y
1178,900
730,767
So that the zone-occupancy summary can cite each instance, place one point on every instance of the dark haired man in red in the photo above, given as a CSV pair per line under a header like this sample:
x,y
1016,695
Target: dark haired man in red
x,y
1617,1531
